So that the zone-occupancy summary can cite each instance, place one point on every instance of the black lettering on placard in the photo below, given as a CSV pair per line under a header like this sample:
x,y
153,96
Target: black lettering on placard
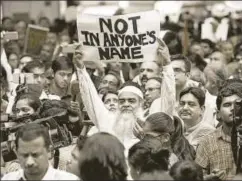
x,y
152,35
136,53
143,40
94,38
137,39
103,53
134,21
114,39
129,40
107,41
122,37
114,51
124,28
86,42
125,52
108,24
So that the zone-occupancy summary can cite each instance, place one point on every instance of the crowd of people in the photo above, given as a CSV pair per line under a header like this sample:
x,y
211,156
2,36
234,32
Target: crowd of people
x,y
171,118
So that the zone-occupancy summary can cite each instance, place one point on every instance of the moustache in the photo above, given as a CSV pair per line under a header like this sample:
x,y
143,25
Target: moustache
x,y
144,77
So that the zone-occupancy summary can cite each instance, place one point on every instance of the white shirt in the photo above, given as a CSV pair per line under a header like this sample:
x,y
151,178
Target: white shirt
x,y
51,174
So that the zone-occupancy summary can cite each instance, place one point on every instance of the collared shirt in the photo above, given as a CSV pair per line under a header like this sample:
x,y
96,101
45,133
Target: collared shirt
x,y
51,174
215,152
196,133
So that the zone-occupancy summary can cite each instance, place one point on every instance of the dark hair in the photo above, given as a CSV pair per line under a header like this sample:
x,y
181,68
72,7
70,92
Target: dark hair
x,y
44,18
62,63
103,158
186,170
196,92
108,92
160,122
198,61
33,64
52,107
180,145
209,42
147,157
168,38
180,57
33,100
32,131
229,88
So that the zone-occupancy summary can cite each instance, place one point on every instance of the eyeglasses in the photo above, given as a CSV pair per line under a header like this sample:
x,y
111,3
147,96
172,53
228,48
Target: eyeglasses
x,y
152,89
178,71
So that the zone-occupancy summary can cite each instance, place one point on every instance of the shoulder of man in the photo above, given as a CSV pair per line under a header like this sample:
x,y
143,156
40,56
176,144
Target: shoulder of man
x,y
12,176
63,175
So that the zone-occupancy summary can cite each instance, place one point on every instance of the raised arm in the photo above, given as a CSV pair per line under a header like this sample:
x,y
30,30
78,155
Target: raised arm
x,y
91,100
168,86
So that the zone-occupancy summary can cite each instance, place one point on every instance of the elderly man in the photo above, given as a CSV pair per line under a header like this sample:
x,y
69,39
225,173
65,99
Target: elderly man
x,y
130,99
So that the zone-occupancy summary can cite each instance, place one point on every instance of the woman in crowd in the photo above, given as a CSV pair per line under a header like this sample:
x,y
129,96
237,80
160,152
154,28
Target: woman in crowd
x,y
103,158
147,158
186,170
170,132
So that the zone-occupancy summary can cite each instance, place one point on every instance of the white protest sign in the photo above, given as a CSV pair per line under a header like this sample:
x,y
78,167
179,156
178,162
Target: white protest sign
x,y
126,38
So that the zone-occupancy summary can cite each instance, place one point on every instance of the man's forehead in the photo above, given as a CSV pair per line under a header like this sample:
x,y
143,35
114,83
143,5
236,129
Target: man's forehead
x,y
152,83
151,65
189,98
178,64
67,71
231,98
32,145
110,77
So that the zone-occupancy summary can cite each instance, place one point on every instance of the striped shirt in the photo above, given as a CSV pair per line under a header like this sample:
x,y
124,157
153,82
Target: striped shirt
x,y
215,152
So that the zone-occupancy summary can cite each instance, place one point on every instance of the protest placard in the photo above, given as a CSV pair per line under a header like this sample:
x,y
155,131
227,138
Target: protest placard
x,y
123,38
34,39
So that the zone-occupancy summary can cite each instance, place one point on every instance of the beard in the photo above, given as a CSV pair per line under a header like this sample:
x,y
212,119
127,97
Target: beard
x,y
125,121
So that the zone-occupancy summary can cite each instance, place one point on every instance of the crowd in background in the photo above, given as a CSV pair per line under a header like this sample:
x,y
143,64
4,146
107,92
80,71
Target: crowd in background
x,y
167,119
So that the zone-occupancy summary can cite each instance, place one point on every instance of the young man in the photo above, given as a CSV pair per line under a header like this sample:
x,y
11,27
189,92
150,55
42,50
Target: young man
x,y
214,152
191,108
33,147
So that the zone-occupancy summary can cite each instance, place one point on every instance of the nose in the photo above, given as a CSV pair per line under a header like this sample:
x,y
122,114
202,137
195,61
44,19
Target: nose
x,y
185,107
30,162
146,93
65,77
20,113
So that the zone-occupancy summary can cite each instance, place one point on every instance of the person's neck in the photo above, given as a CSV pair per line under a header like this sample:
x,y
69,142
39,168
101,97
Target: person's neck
x,y
227,129
36,177
191,123
58,91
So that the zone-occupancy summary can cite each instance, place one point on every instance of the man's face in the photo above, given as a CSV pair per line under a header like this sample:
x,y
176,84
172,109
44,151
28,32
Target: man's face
x,y
148,70
189,109
227,50
206,48
65,39
62,78
226,109
197,49
20,26
73,164
23,62
111,102
33,157
217,57
39,76
13,61
128,102
46,52
51,38
116,66
109,82
152,90
23,108
180,72
8,25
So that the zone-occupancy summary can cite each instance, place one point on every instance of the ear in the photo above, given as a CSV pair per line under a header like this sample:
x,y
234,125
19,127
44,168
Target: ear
x,y
166,137
188,74
203,109
50,151
218,116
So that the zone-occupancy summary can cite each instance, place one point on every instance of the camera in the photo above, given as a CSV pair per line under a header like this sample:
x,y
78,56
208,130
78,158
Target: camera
x,y
59,134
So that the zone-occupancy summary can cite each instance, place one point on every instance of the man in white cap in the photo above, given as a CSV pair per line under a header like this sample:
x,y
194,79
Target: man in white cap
x,y
130,104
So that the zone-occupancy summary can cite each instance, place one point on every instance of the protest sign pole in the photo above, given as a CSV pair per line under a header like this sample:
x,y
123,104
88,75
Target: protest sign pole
x,y
186,38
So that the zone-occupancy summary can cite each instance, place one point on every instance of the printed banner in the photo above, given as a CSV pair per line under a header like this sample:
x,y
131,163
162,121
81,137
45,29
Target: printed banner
x,y
34,39
124,38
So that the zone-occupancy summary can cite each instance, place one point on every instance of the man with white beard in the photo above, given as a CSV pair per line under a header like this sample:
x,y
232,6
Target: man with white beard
x,y
130,99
